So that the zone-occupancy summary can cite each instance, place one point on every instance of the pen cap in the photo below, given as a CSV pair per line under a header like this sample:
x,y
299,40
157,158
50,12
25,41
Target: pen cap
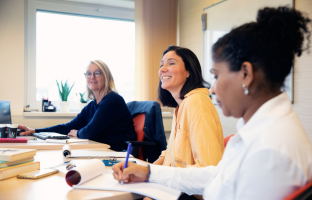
x,y
66,151
89,170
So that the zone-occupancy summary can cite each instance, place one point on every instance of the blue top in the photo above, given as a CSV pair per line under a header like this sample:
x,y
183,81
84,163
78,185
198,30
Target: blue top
x,y
109,122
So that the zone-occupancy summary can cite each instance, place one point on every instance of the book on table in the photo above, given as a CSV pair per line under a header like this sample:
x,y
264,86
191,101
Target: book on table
x,y
13,140
9,172
11,154
4,164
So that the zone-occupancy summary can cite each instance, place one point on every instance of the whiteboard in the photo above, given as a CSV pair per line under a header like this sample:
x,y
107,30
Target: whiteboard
x,y
229,14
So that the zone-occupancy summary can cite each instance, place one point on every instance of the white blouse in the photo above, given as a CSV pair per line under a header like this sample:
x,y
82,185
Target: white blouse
x,y
268,158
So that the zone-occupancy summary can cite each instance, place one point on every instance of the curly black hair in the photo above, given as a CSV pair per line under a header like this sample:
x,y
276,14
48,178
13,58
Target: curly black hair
x,y
195,80
270,44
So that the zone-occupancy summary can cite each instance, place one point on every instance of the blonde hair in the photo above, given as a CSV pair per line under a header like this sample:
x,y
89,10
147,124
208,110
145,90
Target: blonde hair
x,y
109,80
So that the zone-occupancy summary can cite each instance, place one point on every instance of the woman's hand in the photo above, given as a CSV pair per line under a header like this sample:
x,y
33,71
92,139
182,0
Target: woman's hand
x,y
133,173
27,130
73,133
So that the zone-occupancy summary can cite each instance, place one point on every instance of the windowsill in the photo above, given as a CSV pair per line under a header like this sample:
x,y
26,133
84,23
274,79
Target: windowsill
x,y
167,114
72,114
50,114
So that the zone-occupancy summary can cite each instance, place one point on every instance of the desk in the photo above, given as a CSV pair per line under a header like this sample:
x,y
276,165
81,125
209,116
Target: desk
x,y
55,187
42,145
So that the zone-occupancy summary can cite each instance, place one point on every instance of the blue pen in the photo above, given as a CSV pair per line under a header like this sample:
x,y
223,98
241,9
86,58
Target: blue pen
x,y
127,157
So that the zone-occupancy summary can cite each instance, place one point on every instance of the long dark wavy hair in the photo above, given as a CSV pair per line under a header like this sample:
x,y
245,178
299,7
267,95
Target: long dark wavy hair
x,y
195,79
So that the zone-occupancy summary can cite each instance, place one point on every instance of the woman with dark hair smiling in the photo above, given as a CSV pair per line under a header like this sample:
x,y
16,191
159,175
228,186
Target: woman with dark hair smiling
x,y
196,137
270,156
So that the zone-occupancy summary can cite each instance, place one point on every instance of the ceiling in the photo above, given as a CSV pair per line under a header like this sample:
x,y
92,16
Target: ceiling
x,y
115,3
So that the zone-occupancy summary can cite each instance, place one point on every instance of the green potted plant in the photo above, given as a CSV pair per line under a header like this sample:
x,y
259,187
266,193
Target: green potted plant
x,y
82,99
64,91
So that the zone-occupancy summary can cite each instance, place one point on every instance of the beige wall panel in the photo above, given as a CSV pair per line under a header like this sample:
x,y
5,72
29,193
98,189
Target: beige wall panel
x,y
191,36
12,53
158,31
303,78
40,122
190,26
138,19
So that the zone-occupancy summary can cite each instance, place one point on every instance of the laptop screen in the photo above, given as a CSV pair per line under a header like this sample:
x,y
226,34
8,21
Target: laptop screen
x,y
5,112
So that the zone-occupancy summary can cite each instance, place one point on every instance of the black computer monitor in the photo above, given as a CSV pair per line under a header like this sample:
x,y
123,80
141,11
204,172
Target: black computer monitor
x,y
5,112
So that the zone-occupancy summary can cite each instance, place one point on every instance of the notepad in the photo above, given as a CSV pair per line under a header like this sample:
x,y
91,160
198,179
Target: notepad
x,y
66,141
153,190
91,175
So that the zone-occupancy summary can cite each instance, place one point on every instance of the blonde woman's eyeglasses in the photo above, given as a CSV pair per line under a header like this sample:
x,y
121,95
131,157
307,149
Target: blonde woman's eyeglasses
x,y
96,74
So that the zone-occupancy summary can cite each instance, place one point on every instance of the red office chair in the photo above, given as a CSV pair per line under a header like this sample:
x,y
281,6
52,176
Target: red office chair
x,y
150,129
138,122
227,139
304,193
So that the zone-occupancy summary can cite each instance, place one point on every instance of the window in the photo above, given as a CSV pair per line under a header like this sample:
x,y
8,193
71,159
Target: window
x,y
62,42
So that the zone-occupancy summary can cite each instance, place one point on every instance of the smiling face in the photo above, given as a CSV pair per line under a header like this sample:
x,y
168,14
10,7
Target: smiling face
x,y
95,84
228,89
172,72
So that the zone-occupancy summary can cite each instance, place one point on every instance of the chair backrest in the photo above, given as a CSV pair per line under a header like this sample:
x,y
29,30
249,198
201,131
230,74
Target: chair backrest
x,y
303,193
153,127
138,122
227,139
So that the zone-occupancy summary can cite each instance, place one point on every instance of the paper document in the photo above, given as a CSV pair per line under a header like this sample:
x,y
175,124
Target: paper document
x,y
153,190
91,175
97,154
67,141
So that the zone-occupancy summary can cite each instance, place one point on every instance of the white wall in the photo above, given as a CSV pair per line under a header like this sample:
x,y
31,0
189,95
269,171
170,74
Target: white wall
x,y
191,36
12,64
12,56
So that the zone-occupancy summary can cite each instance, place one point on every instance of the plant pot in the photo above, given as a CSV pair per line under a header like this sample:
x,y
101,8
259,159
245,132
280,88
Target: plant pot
x,y
64,106
82,105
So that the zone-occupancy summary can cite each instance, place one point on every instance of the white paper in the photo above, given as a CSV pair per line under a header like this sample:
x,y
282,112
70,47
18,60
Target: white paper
x,y
97,154
66,141
153,190
89,170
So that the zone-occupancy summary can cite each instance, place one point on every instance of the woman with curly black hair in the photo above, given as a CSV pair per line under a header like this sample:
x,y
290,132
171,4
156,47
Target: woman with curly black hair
x,y
270,156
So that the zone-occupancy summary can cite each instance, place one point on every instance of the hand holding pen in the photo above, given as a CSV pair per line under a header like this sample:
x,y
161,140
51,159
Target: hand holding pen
x,y
127,158
133,173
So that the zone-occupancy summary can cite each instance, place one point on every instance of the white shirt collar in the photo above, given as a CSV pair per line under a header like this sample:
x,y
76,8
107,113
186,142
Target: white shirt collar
x,y
269,112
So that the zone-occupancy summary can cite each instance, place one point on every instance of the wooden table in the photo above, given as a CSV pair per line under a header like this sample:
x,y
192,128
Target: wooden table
x,y
55,186
42,145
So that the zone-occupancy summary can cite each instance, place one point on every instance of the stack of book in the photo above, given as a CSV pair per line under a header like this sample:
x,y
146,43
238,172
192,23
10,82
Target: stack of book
x,y
17,161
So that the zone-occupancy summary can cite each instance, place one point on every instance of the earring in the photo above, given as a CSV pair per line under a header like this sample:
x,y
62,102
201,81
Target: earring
x,y
245,90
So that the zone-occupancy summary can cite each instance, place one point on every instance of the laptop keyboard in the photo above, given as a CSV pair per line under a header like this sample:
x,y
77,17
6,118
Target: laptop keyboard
x,y
50,135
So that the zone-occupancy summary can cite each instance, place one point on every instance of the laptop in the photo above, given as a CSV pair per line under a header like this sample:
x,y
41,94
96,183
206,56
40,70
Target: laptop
x,y
5,112
50,135
5,118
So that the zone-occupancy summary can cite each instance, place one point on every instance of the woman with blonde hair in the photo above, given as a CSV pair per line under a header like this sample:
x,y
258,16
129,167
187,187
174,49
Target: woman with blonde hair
x,y
106,119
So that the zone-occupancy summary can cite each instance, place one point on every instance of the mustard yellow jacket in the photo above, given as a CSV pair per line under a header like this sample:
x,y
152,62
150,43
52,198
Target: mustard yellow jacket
x,y
196,137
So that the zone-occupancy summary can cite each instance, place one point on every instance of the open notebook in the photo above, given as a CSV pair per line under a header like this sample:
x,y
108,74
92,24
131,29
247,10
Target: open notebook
x,y
92,175
152,190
